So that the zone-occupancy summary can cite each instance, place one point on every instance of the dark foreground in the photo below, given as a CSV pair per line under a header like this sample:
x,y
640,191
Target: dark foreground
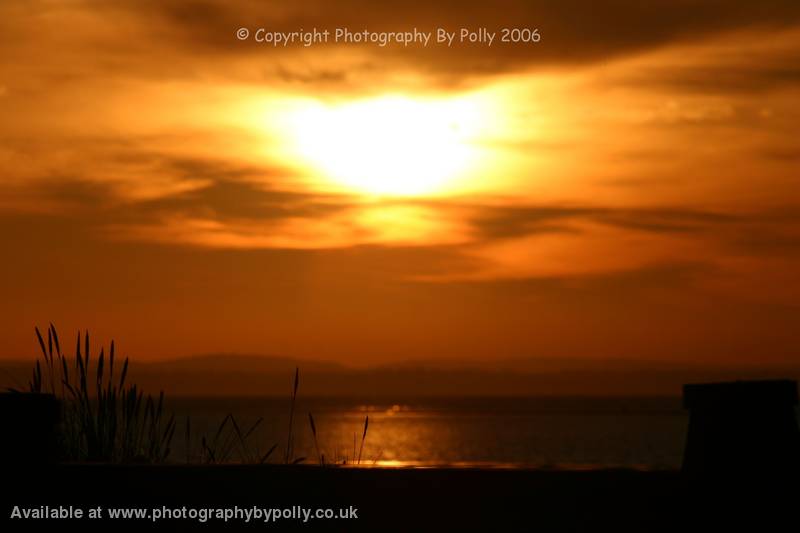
x,y
399,499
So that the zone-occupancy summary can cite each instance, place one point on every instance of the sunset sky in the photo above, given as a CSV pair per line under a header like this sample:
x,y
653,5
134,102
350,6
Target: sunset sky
x,y
628,187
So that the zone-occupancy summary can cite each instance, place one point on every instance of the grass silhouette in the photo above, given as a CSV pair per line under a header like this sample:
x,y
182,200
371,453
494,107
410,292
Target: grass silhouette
x,y
338,459
103,418
106,419
228,438
289,442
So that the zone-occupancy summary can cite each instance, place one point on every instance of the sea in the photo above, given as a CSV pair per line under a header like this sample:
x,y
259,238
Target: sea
x,y
532,432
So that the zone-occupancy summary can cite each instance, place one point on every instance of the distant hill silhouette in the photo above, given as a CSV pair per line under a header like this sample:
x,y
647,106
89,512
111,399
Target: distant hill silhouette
x,y
234,374
251,363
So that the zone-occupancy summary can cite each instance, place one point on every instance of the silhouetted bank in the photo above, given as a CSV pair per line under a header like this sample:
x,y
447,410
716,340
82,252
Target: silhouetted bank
x,y
728,483
410,499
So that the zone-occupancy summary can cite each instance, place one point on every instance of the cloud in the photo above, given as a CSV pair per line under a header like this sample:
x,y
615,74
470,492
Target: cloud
x,y
735,65
718,79
172,39
501,222
455,241
574,31
782,154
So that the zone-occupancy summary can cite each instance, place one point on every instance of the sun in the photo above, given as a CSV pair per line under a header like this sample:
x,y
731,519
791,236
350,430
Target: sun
x,y
392,145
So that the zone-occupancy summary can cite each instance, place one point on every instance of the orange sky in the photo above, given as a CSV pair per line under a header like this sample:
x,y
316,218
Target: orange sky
x,y
626,187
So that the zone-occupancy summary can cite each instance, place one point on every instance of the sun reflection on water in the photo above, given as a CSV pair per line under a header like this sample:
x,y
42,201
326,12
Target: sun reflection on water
x,y
486,433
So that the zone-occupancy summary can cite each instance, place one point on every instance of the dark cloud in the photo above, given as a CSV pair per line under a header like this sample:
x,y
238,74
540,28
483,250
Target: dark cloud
x,y
207,188
311,76
659,220
763,241
234,192
775,233
753,77
782,154
678,275
237,200
574,30
499,222
243,195
197,39
509,222
67,192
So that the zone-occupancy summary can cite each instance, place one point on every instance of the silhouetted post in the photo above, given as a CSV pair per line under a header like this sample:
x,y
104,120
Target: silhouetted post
x,y
30,428
742,426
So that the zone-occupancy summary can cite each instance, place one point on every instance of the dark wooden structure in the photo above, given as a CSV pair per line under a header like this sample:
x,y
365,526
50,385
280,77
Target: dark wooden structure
x,y
742,426
30,428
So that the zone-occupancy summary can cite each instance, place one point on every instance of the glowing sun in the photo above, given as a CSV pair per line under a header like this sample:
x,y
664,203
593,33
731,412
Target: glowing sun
x,y
390,145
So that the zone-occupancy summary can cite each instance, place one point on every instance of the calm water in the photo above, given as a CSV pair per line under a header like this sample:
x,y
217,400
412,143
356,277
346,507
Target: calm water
x,y
540,432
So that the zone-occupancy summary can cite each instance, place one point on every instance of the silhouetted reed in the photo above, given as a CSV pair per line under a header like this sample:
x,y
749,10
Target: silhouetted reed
x,y
289,442
363,438
103,420
337,458
228,437
320,457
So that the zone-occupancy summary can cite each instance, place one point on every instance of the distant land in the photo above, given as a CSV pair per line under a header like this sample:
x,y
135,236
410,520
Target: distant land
x,y
253,375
